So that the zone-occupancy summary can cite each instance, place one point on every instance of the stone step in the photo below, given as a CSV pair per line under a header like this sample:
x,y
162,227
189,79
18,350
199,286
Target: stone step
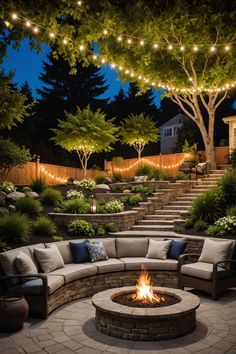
x,y
153,227
170,212
161,217
156,222
186,198
218,172
177,208
180,203
141,233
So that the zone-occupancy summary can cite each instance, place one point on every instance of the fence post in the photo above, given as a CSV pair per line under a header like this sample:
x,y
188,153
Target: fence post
x,y
38,167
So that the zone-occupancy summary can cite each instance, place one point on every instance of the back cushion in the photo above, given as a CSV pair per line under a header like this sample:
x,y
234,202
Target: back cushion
x,y
65,251
131,247
7,261
31,251
110,246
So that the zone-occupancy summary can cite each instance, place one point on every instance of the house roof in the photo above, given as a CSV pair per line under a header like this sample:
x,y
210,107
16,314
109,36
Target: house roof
x,y
177,120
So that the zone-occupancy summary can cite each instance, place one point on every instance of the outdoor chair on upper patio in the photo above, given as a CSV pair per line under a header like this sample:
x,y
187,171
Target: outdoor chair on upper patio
x,y
213,271
202,169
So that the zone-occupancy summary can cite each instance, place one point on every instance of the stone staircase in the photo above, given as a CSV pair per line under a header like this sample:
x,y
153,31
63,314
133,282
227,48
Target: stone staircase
x,y
173,208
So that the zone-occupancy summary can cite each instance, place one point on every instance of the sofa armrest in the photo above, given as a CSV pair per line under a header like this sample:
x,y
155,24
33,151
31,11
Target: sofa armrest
x,y
23,276
215,267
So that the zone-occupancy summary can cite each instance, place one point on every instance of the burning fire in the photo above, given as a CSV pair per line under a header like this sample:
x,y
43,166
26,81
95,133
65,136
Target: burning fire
x,y
144,291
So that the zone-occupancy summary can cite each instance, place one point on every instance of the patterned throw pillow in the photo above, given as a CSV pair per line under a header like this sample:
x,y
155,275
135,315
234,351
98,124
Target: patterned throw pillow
x,y
97,252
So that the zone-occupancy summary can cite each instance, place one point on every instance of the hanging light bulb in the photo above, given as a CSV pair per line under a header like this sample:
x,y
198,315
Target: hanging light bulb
x,y
7,23
182,48
227,48
129,40
14,16
65,41
105,32
141,42
79,3
155,45
213,49
95,57
119,39
170,46
28,24
195,48
35,29
81,47
51,34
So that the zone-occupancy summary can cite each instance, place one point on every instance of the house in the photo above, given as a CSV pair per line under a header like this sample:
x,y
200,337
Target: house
x,y
169,133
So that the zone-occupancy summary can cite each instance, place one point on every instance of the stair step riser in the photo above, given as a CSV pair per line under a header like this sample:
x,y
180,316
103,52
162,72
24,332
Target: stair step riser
x,y
154,228
176,208
161,217
156,222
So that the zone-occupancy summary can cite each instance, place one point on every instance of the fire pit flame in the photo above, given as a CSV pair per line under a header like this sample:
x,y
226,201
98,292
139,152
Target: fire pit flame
x,y
144,291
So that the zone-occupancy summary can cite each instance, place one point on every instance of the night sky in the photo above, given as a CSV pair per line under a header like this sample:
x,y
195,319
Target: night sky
x,y
27,65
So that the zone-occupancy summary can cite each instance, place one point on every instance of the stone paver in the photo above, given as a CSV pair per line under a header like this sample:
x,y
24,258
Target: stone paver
x,y
71,329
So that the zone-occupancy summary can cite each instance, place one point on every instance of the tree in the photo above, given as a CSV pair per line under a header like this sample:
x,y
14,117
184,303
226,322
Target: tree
x,y
11,155
186,48
13,104
85,132
137,131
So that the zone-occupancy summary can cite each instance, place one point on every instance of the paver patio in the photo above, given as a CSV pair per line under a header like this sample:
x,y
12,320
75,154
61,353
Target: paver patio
x,y
71,329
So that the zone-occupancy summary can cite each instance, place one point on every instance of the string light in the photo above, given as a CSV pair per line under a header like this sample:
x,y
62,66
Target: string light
x,y
49,174
28,24
144,159
79,3
129,71
14,16
155,45
139,40
105,32
213,49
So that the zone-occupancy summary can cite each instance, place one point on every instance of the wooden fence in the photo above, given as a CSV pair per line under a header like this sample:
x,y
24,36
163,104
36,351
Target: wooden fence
x,y
168,163
52,174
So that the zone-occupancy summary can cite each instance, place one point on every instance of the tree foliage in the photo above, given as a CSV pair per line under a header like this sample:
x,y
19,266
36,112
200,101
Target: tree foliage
x,y
137,131
85,132
11,155
13,104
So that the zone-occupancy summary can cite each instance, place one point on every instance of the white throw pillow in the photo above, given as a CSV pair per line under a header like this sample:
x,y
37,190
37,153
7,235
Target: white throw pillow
x,y
24,264
49,258
158,249
215,251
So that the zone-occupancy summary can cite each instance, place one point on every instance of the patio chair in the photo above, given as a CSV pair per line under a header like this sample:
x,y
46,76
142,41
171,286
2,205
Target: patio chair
x,y
202,168
212,271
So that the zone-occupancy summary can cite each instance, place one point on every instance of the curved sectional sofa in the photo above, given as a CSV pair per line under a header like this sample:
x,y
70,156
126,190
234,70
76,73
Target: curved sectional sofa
x,y
46,292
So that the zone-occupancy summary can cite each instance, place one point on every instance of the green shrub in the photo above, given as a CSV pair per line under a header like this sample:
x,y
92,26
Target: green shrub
x,y
8,187
179,229
74,194
100,231
81,228
26,189
188,223
231,211
223,226
125,199
227,188
38,184
232,158
207,207
181,176
114,206
110,227
200,225
157,174
29,206
141,189
100,178
143,170
75,206
3,246
14,228
57,238
43,225
87,183
51,196
135,199
117,177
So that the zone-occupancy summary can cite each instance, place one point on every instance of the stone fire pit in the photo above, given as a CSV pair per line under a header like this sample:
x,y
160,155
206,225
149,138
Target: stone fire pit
x,y
145,324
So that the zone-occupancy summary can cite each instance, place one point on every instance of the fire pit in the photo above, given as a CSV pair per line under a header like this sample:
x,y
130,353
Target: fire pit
x,y
144,312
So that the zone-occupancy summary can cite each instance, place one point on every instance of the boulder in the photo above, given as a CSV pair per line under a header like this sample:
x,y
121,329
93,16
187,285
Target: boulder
x,y
107,180
32,194
102,187
15,195
12,208
127,191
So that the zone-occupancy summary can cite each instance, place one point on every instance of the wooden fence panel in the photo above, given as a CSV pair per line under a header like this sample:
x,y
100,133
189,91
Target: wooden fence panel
x,y
53,174
168,163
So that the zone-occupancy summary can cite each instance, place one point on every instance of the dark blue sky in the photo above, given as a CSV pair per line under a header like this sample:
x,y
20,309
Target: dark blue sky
x,y
27,65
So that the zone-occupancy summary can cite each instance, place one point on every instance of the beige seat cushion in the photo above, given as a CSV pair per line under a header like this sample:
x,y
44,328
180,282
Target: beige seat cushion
x,y
199,270
110,265
49,258
215,251
73,271
131,247
24,264
158,249
136,263
54,282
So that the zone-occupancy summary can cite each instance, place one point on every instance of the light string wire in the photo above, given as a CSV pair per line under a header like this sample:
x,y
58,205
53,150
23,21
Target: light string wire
x,y
50,175
142,41
127,72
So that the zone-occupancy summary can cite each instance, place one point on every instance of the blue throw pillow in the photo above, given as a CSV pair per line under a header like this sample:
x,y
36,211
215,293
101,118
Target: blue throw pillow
x,y
80,251
176,249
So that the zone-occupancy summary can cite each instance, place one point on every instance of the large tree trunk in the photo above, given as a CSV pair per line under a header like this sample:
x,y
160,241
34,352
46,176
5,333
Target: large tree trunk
x,y
193,105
